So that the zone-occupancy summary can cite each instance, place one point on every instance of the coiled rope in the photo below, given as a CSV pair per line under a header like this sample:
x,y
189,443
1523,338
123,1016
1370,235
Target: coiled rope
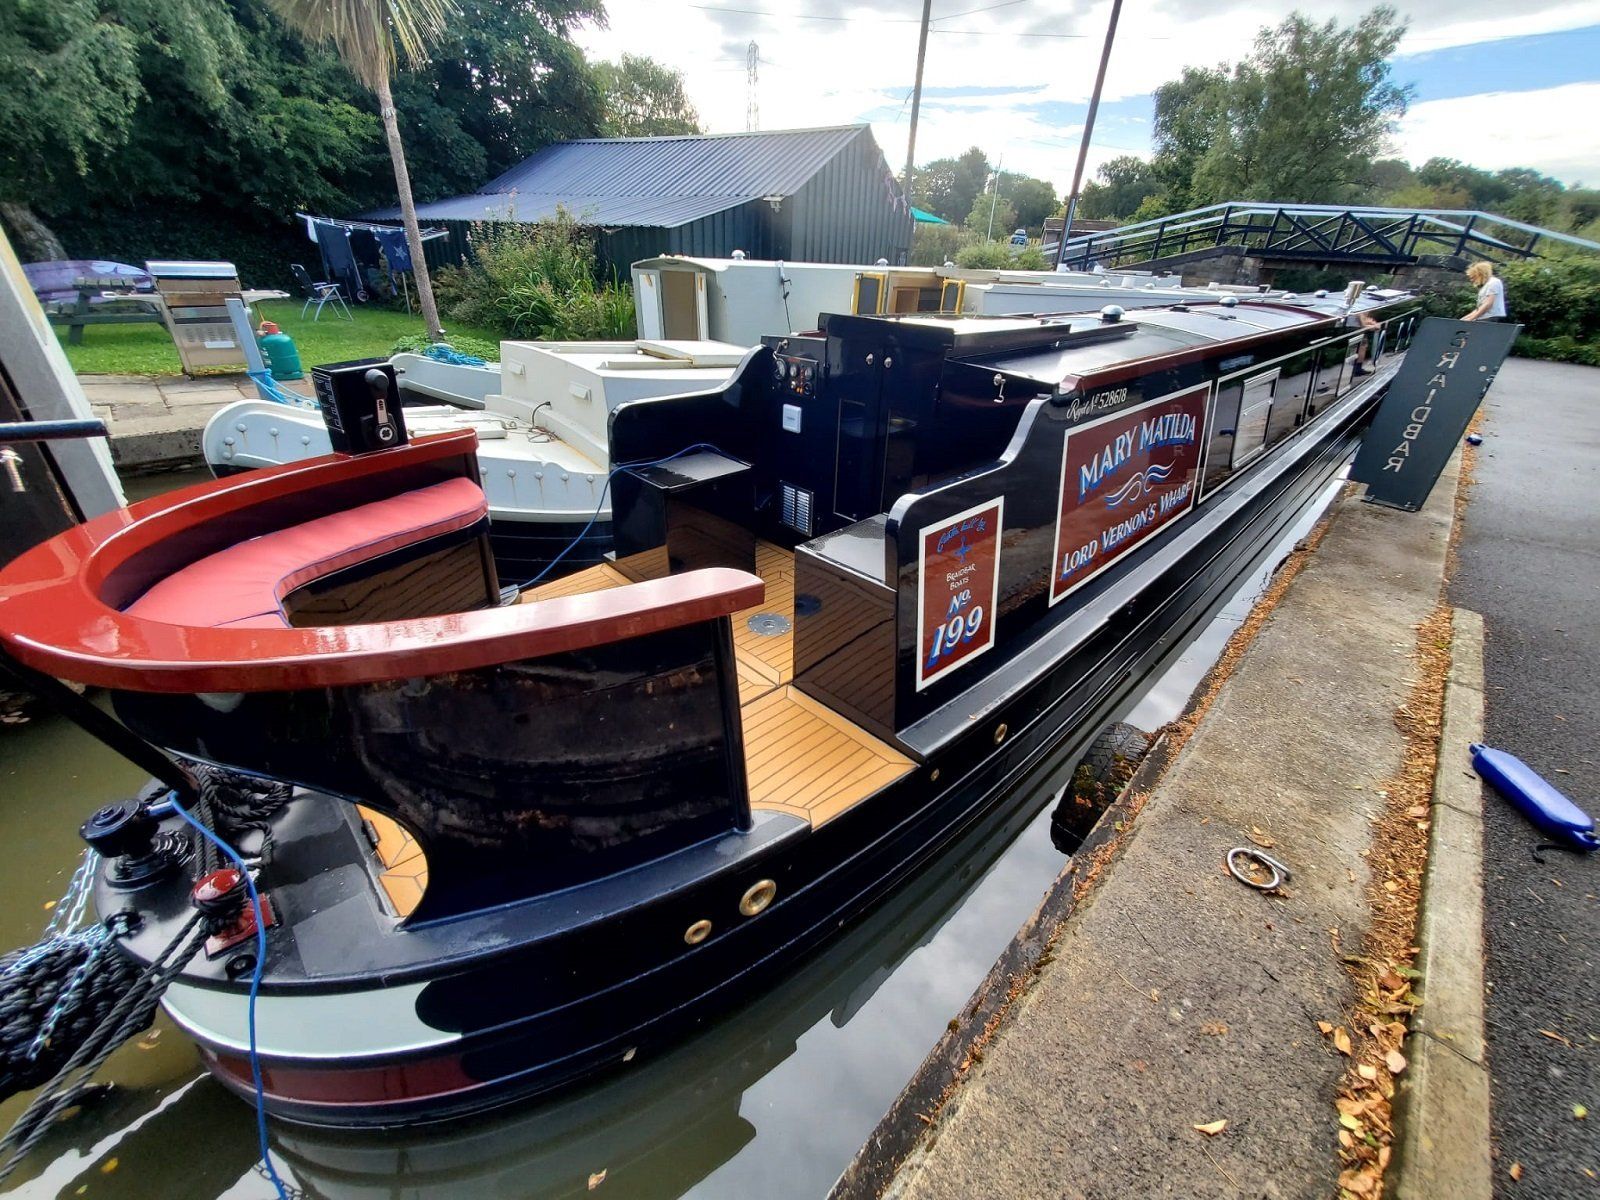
x,y
131,1014
67,1002
55,993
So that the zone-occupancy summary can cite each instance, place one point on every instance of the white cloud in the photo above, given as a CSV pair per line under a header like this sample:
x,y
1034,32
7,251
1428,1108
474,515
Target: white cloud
x,y
818,72
1551,130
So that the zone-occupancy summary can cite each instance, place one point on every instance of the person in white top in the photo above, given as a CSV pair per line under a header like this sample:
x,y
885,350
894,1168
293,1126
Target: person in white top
x,y
1491,294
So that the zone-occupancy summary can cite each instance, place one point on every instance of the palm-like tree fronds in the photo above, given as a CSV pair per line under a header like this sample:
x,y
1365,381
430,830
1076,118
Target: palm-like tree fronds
x,y
366,33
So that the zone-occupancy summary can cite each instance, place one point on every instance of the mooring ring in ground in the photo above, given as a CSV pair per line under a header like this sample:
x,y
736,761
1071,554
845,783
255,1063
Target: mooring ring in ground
x,y
1280,873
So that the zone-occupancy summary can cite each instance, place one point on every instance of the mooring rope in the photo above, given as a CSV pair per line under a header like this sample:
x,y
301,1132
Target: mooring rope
x,y
131,1014
67,1002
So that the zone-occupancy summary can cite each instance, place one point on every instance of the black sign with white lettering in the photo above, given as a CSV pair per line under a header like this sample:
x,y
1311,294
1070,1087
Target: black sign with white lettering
x,y
1448,368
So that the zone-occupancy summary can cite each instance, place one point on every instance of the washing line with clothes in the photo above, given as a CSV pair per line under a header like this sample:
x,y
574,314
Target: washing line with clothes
x,y
368,261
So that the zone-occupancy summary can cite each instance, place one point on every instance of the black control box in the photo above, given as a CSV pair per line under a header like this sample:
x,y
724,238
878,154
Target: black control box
x,y
360,404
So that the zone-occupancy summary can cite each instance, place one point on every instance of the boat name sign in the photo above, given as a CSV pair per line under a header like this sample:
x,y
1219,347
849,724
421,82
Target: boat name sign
x,y
1123,477
958,586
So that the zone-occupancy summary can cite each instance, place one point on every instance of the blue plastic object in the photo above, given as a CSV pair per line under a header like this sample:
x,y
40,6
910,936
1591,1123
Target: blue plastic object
x,y
1540,802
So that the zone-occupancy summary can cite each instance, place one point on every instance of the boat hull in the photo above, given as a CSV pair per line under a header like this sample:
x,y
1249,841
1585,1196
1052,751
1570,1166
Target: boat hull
x,y
446,1041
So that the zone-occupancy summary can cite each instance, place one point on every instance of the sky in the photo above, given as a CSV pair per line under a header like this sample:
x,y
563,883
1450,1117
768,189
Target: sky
x,y
1499,83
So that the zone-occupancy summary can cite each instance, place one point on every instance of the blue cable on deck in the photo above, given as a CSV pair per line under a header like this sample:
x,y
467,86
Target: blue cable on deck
x,y
271,389
604,488
255,986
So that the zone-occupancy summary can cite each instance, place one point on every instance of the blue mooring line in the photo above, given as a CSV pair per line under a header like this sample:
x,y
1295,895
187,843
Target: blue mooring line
x,y
255,986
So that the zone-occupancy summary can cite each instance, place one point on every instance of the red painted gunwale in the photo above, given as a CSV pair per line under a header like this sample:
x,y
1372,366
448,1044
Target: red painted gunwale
x,y
53,619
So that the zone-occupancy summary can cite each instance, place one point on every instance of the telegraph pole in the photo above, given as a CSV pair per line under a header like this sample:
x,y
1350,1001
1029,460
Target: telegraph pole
x,y
916,102
1088,131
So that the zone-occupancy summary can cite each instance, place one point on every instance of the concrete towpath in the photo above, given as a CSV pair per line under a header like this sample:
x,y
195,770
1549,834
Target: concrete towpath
x,y
156,421
1174,996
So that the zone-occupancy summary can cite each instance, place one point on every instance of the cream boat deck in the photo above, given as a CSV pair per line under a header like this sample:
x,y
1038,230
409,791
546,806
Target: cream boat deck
x,y
801,757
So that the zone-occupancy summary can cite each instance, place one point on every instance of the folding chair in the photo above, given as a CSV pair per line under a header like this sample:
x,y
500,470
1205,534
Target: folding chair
x,y
318,292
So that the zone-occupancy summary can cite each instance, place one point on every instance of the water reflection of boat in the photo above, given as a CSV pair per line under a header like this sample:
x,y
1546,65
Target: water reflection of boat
x,y
662,1128
858,592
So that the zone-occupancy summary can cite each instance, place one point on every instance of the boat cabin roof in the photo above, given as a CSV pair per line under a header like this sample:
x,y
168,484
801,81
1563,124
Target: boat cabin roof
x,y
1050,348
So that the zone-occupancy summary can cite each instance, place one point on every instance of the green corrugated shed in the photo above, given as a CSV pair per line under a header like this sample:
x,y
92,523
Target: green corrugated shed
x,y
806,195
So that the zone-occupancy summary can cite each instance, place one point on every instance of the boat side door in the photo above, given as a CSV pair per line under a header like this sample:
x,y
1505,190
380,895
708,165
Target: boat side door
x,y
858,377
647,303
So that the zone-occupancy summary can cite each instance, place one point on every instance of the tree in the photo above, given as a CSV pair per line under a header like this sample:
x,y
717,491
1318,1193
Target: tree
x,y
73,72
1122,186
1387,176
509,79
992,216
1301,119
1187,113
947,187
366,33
643,98
1033,199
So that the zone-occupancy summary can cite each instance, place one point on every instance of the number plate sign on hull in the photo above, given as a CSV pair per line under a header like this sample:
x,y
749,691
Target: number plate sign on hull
x,y
958,584
1122,478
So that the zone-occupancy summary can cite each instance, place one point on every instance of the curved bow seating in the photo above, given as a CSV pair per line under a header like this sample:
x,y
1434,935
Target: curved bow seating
x,y
92,605
526,746
246,584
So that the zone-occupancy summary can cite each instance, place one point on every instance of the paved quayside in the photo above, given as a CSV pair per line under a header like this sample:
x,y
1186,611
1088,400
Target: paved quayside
x,y
1174,996
156,420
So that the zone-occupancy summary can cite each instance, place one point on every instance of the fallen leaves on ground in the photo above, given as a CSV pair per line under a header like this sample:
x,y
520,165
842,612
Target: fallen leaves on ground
x,y
596,1180
1515,1172
1382,970
1580,1113
1554,1037
1212,1128
1260,837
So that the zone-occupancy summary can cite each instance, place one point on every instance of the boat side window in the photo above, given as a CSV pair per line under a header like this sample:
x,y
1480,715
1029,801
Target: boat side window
x,y
869,295
1294,391
1255,410
951,294
1333,376
1224,430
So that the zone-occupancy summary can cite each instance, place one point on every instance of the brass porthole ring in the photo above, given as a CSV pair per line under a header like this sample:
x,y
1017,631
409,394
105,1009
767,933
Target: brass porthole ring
x,y
697,933
999,733
757,897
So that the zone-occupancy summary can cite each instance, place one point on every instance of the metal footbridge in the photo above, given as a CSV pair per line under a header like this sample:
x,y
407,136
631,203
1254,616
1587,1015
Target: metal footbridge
x,y
1318,233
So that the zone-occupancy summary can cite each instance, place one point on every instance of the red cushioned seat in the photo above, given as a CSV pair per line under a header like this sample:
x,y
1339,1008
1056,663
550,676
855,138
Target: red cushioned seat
x,y
244,585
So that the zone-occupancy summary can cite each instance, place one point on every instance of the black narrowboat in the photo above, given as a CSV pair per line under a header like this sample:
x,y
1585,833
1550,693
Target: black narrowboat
x,y
887,570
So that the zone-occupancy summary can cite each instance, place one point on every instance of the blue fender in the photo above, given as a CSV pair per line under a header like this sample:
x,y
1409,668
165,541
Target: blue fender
x,y
1540,802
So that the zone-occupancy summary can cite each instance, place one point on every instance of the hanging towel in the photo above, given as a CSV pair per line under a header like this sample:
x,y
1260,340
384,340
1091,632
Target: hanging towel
x,y
395,248
335,243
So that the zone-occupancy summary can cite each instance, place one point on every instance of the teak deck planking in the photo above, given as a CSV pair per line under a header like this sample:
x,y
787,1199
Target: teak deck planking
x,y
801,757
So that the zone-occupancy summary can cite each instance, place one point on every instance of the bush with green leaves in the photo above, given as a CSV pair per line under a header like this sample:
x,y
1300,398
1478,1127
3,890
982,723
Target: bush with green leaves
x,y
536,281
998,256
934,245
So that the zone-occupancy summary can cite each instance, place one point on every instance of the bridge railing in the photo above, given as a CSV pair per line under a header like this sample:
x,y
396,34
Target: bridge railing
x,y
1317,233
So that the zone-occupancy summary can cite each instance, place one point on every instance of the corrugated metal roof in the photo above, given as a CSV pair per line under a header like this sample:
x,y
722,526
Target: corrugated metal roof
x,y
666,212
658,181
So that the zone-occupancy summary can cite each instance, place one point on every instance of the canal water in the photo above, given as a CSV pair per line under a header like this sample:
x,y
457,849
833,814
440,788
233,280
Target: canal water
x,y
771,1101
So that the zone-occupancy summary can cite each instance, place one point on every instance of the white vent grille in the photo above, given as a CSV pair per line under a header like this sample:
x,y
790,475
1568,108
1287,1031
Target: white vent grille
x,y
797,509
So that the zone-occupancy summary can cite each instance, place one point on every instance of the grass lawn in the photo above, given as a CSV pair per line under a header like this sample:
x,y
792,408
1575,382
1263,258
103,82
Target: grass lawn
x,y
148,350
